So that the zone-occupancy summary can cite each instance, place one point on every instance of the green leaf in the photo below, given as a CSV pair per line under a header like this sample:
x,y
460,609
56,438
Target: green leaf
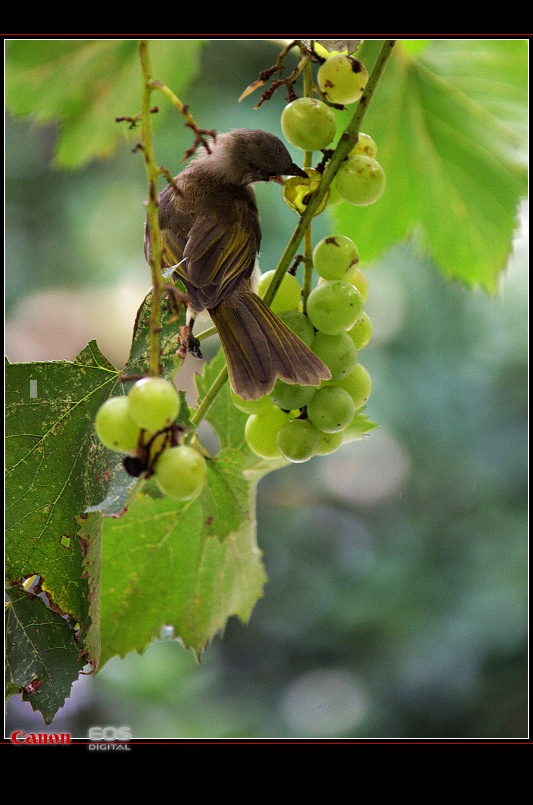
x,y
453,156
85,84
359,427
55,468
162,568
42,656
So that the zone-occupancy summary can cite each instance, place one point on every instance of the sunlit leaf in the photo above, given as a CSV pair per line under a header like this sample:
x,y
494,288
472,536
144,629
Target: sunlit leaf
x,y
85,85
455,172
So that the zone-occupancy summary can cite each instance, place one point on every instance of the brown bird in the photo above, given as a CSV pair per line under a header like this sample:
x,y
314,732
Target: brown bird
x,y
211,234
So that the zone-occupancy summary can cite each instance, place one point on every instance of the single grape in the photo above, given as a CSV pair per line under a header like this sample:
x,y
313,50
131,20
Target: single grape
x,y
361,332
331,409
334,306
365,145
288,294
153,403
329,442
114,426
299,324
334,256
297,192
251,406
334,196
261,432
291,396
360,180
358,384
342,78
298,440
357,278
308,124
338,353
181,472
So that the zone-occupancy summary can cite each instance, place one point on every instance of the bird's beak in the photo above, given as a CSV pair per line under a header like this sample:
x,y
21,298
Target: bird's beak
x,y
296,171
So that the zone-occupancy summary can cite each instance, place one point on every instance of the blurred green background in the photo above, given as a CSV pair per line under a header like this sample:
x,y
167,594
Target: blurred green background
x,y
396,605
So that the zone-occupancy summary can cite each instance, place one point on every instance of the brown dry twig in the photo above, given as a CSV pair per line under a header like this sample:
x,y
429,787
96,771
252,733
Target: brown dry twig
x,y
278,67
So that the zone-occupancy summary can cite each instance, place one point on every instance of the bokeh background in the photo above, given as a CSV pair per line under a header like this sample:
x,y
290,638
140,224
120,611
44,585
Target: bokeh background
x,y
396,605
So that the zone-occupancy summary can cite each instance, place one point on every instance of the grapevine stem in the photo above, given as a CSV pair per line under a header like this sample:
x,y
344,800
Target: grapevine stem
x,y
210,397
152,173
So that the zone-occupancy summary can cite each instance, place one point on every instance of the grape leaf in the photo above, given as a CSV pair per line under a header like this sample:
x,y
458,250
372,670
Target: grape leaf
x,y
455,170
42,656
162,567
55,468
86,84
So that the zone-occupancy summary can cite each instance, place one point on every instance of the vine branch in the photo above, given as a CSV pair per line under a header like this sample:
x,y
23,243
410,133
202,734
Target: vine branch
x,y
152,174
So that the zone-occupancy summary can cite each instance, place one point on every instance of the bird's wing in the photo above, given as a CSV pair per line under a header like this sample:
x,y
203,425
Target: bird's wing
x,y
217,258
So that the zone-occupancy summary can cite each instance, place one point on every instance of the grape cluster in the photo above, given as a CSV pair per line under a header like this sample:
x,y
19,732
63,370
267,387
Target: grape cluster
x,y
298,422
143,425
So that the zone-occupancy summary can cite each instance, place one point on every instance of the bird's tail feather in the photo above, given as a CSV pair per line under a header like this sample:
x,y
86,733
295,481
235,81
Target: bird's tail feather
x,y
259,348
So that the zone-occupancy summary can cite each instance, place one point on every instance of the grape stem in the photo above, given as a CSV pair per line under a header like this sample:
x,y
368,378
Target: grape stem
x,y
210,397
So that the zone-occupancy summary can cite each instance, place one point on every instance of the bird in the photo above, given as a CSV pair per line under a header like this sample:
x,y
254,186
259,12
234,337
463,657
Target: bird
x,y
210,232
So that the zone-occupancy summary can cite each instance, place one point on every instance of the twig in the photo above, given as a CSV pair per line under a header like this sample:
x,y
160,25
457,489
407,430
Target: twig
x,y
199,134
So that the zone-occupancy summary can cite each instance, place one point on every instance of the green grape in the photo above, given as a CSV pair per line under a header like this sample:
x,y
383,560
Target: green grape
x,y
361,332
261,432
338,353
360,180
251,406
291,396
288,294
114,426
331,409
153,403
298,440
329,442
181,472
358,384
365,145
334,306
334,256
342,78
308,124
297,192
299,324
334,196
357,278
